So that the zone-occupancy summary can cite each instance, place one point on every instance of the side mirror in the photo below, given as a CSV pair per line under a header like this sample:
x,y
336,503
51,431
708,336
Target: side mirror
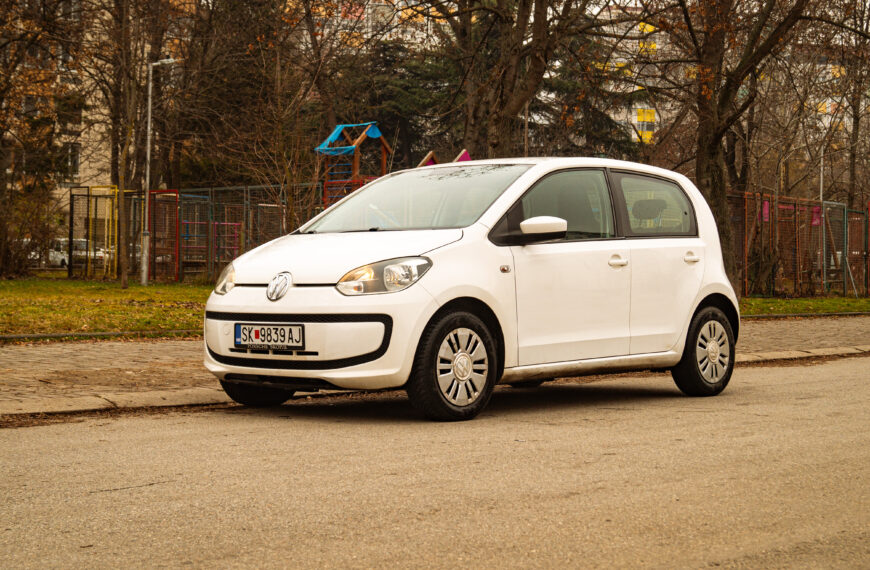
x,y
542,228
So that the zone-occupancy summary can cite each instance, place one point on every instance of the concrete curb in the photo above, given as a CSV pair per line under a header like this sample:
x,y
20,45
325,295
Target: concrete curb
x,y
116,400
71,335
801,316
207,396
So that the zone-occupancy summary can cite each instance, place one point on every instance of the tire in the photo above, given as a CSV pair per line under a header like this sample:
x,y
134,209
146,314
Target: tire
x,y
256,396
706,371
454,369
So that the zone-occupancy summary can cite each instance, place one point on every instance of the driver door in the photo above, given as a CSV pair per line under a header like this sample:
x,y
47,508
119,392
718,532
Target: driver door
x,y
573,294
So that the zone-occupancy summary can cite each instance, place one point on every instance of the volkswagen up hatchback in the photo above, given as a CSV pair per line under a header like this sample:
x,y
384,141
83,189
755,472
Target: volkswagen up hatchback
x,y
448,280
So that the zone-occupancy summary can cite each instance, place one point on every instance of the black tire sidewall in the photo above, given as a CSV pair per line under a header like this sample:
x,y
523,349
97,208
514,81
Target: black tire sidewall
x,y
686,374
423,389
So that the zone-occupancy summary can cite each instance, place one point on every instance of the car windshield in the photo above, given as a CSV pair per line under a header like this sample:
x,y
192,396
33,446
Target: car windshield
x,y
432,198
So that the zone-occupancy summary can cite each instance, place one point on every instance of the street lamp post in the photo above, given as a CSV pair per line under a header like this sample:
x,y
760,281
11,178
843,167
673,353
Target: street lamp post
x,y
146,234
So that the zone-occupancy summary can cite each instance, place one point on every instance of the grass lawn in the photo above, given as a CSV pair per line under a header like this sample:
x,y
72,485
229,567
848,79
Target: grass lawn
x,y
816,305
46,305
58,305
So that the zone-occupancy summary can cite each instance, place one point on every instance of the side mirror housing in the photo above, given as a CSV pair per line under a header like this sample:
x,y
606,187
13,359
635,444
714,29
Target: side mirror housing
x,y
540,229
533,230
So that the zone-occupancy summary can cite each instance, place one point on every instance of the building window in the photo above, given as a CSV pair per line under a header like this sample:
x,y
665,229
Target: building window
x,y
30,107
646,47
70,159
68,109
646,125
71,10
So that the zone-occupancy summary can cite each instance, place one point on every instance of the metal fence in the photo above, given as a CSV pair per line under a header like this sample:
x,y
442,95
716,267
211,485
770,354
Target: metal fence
x,y
196,232
92,244
795,247
783,246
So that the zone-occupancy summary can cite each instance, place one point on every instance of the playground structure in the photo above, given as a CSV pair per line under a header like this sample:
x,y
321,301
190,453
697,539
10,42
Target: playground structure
x,y
431,159
342,163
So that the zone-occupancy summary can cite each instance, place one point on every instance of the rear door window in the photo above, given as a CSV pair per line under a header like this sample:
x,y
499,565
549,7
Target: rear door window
x,y
654,206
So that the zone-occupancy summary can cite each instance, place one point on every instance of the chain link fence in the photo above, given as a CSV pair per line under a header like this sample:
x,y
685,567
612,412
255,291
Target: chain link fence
x,y
196,232
92,244
783,246
795,247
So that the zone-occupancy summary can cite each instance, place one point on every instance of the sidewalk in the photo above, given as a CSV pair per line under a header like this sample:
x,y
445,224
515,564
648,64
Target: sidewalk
x,y
80,376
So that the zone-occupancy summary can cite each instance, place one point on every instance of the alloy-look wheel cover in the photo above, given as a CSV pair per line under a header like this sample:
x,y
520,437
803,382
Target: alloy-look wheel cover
x,y
713,352
462,366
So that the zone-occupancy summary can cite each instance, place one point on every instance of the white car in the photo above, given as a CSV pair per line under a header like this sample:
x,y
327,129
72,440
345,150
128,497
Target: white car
x,y
448,280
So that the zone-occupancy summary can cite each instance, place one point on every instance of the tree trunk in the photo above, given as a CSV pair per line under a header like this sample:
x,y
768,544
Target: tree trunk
x,y
855,99
710,174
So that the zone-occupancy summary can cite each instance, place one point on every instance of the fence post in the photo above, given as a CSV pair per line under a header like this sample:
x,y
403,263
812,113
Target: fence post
x,y
210,246
69,245
844,261
745,245
179,247
247,221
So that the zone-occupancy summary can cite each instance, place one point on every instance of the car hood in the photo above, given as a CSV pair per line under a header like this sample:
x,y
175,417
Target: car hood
x,y
325,258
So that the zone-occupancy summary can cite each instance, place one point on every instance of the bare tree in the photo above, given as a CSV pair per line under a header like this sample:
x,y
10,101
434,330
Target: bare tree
x,y
724,43
503,50
29,165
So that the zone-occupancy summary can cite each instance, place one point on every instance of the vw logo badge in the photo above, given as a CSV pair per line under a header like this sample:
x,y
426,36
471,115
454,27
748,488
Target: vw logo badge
x,y
278,286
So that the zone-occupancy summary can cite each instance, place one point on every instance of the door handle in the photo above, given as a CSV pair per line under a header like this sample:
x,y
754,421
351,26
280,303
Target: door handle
x,y
691,258
616,261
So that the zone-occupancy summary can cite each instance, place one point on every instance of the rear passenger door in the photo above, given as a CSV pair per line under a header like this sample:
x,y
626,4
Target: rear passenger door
x,y
667,257
573,293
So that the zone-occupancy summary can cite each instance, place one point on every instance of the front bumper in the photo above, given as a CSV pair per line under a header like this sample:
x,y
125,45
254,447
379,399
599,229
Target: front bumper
x,y
365,342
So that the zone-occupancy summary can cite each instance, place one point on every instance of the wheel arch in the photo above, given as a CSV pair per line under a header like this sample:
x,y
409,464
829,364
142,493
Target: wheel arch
x,y
724,304
483,312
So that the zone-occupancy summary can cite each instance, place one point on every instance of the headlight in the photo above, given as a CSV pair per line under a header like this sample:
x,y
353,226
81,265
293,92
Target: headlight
x,y
384,277
226,280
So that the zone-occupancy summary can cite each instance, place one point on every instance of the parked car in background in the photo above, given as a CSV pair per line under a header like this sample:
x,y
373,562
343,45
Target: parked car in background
x,y
449,279
55,256
58,254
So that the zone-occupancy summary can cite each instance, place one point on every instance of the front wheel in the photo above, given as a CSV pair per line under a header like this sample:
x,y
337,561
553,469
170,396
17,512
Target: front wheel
x,y
256,396
708,358
454,369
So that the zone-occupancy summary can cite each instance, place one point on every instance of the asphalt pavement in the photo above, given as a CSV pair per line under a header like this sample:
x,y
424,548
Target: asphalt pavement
x,y
622,473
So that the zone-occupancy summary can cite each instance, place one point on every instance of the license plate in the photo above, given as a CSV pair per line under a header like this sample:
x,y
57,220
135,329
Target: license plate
x,y
269,336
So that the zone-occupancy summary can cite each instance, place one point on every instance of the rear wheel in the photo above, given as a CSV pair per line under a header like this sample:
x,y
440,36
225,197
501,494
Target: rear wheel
x,y
256,396
708,358
454,369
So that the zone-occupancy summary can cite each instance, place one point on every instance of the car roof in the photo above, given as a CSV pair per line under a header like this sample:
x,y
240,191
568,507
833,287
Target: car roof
x,y
555,162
